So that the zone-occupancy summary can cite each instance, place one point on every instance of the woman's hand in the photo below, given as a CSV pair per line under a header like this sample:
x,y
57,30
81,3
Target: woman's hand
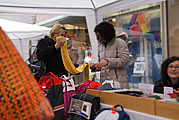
x,y
101,64
60,42
93,67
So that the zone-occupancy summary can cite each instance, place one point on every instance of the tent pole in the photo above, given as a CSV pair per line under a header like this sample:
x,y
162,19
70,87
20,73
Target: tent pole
x,y
95,12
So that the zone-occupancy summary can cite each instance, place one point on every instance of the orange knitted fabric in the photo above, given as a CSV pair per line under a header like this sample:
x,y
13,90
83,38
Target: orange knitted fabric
x,y
20,95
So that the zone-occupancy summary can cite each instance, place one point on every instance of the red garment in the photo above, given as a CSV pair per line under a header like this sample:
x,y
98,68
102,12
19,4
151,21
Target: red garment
x,y
46,82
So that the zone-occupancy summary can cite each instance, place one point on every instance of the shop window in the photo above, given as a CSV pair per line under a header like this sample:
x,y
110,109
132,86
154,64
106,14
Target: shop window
x,y
142,24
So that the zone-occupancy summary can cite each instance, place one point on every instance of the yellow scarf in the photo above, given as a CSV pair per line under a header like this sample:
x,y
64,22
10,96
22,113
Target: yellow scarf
x,y
69,66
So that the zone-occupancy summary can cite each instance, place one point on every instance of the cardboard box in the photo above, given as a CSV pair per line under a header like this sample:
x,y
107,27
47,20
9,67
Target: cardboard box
x,y
167,109
93,92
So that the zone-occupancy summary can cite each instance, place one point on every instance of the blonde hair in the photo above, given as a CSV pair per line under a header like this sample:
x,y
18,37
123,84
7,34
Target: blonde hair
x,y
57,28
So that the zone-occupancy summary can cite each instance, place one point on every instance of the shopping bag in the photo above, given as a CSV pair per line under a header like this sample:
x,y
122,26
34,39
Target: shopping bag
x,y
68,92
112,114
20,95
52,86
84,107
37,66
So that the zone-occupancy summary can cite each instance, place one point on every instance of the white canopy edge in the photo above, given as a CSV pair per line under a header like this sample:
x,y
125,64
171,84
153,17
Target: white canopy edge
x,y
58,11
25,35
52,20
82,4
13,26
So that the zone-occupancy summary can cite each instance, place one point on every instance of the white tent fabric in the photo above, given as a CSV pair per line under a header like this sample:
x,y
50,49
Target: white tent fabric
x,y
21,33
17,30
92,9
70,7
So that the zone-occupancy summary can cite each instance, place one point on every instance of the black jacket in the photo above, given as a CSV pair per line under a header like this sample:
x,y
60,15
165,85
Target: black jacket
x,y
47,52
159,85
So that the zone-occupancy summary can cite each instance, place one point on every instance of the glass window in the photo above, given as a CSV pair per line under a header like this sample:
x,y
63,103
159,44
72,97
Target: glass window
x,y
142,24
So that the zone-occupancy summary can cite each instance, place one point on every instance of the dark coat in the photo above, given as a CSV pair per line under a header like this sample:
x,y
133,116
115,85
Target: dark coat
x,y
159,85
47,52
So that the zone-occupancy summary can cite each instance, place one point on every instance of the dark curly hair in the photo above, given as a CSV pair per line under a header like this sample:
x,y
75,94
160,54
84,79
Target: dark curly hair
x,y
106,31
164,67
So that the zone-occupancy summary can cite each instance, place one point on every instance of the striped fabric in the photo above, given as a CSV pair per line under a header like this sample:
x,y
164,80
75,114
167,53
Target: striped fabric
x,y
20,95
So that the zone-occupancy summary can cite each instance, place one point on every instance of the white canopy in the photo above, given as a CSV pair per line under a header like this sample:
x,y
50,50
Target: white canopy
x,y
21,33
17,30
70,7
93,10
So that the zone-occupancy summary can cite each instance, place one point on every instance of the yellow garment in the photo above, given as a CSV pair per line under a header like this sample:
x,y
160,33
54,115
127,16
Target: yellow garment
x,y
69,66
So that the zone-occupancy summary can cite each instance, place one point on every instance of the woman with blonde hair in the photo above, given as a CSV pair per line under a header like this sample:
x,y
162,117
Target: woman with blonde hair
x,y
48,50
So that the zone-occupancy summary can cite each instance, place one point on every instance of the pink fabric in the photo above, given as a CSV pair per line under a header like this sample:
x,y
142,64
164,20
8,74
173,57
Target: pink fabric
x,y
68,92
82,88
88,85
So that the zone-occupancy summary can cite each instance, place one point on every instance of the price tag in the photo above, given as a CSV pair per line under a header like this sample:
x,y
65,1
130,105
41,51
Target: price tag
x,y
117,84
166,91
146,88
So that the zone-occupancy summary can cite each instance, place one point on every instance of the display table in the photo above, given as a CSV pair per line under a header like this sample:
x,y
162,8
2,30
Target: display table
x,y
139,106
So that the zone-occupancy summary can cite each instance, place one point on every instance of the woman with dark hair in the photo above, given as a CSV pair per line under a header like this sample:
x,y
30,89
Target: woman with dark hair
x,y
113,55
169,75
